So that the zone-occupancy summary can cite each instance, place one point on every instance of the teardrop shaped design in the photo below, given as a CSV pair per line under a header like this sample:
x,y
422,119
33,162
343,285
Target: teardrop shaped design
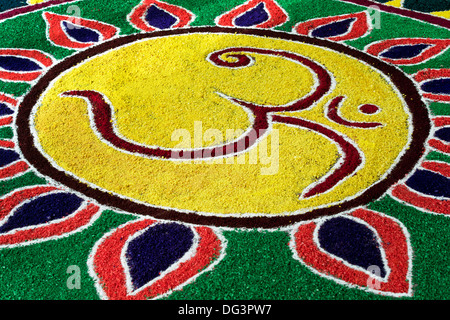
x,y
351,241
253,17
18,64
408,51
336,28
151,15
443,134
81,34
75,32
434,84
145,259
429,183
404,51
7,157
23,64
36,214
333,29
254,13
159,18
41,210
155,250
5,110
385,271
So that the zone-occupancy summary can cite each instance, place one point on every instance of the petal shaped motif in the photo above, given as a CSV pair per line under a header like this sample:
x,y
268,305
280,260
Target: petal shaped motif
x,y
75,32
146,259
151,15
434,84
336,28
254,13
41,213
428,187
408,51
374,254
11,163
7,106
440,141
23,65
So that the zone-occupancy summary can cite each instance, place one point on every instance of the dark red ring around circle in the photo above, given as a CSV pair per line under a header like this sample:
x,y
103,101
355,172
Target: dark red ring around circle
x,y
418,110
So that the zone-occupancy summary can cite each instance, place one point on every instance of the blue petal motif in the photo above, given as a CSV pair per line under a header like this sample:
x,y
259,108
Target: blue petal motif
x,y
8,156
253,17
437,86
333,29
4,110
156,250
159,18
42,210
81,34
13,63
430,183
404,51
352,241
443,134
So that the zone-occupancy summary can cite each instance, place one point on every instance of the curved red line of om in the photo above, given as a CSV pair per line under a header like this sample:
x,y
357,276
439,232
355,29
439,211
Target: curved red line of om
x,y
332,113
351,159
103,116
103,112
103,122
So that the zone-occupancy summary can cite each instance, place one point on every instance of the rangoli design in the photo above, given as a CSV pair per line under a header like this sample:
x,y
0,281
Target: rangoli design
x,y
164,132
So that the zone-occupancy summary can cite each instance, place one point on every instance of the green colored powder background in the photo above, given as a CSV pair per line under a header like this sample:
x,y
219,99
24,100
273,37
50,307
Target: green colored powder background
x,y
258,264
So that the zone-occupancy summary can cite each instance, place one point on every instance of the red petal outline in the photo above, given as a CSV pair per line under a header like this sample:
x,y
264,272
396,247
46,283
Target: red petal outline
x,y
439,145
13,169
277,16
43,59
48,231
136,16
107,268
421,201
18,166
438,47
443,168
7,144
6,121
429,74
441,121
359,28
9,100
51,230
59,37
12,200
394,241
